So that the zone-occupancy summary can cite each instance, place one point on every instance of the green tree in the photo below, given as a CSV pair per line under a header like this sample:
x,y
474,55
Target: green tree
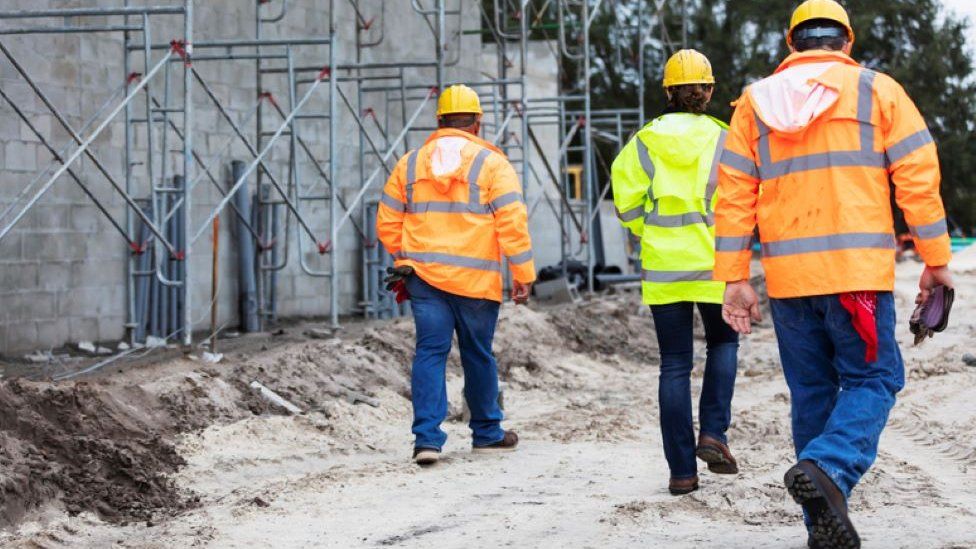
x,y
915,41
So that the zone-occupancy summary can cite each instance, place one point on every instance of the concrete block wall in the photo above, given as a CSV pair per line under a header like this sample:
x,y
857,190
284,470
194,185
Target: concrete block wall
x,y
62,269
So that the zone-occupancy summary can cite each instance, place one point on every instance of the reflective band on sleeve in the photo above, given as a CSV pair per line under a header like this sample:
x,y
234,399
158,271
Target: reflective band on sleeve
x,y
828,243
631,214
765,157
865,104
411,176
713,174
505,200
932,230
655,219
474,192
819,161
733,243
908,145
675,276
645,161
453,260
521,258
450,207
392,203
738,162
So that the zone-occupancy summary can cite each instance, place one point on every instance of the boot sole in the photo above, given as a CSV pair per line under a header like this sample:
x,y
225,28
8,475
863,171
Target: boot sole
x,y
682,491
427,458
716,460
492,449
831,527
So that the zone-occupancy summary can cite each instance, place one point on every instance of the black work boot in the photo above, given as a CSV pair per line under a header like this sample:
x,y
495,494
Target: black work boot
x,y
824,504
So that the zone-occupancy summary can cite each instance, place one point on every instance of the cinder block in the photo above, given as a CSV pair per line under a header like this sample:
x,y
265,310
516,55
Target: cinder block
x,y
20,156
51,333
29,306
18,276
111,328
11,247
21,336
82,329
55,275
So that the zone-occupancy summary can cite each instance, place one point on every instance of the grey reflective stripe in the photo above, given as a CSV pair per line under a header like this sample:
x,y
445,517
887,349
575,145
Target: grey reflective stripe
x,y
474,192
521,258
453,260
733,243
450,207
932,230
411,176
765,157
908,145
393,203
645,161
865,104
828,243
738,162
713,174
834,159
678,220
675,276
504,200
631,214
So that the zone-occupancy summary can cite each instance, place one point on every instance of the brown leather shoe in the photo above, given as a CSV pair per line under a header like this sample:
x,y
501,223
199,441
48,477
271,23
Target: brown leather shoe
x,y
717,455
681,486
824,504
508,443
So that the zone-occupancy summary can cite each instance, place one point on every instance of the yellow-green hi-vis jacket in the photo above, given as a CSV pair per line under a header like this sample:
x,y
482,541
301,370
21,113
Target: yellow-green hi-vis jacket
x,y
664,184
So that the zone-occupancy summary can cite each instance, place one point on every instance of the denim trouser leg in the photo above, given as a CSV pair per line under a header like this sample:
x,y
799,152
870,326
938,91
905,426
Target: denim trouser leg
x,y
854,396
434,321
721,364
674,327
476,320
437,314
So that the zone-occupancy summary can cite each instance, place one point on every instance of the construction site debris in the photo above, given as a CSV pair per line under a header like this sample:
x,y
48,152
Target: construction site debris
x,y
969,359
274,398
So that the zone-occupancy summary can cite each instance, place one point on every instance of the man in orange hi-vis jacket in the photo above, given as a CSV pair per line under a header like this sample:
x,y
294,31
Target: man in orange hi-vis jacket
x,y
809,158
449,214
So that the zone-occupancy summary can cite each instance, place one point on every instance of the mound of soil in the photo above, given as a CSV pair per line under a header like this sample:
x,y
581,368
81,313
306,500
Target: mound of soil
x,y
106,445
81,444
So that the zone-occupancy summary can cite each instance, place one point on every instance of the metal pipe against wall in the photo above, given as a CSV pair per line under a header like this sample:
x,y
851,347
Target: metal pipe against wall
x,y
188,167
246,285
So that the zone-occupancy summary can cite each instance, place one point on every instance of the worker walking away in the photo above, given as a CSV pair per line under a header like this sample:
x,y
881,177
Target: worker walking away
x,y
449,213
809,158
664,183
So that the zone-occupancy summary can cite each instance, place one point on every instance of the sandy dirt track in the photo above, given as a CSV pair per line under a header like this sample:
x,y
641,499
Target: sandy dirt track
x,y
589,473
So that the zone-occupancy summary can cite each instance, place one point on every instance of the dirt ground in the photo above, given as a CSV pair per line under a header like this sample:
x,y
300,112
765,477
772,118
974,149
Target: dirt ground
x,y
182,454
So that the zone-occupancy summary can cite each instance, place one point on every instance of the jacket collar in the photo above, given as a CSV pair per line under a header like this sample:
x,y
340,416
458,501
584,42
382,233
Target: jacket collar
x,y
452,132
816,56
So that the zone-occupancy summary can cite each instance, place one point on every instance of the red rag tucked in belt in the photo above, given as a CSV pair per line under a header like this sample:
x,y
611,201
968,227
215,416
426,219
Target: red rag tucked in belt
x,y
862,306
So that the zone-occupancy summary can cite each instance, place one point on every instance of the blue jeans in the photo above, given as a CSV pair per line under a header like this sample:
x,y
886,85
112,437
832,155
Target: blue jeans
x,y
437,316
840,403
674,324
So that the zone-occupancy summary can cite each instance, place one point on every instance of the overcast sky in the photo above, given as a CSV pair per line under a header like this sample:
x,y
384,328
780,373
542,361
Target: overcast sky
x,y
966,8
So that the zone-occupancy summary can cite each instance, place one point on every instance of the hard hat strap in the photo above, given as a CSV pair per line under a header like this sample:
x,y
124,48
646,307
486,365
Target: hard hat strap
x,y
827,31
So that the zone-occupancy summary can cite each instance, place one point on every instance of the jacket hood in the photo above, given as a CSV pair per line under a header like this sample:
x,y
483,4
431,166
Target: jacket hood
x,y
445,164
802,89
680,138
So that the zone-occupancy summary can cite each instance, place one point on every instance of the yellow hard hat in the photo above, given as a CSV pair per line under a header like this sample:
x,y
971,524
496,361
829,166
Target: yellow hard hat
x,y
688,67
820,9
458,99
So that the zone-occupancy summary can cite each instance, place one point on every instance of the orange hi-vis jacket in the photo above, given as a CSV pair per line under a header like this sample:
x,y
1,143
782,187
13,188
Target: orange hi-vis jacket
x,y
451,210
809,158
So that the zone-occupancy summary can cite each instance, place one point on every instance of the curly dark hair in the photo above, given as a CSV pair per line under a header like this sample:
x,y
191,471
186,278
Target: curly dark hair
x,y
691,98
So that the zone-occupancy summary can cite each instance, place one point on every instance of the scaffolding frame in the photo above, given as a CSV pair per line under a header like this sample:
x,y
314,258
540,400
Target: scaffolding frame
x,y
385,100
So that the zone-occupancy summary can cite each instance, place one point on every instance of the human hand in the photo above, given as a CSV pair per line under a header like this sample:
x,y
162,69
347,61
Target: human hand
x,y
521,292
932,277
741,303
